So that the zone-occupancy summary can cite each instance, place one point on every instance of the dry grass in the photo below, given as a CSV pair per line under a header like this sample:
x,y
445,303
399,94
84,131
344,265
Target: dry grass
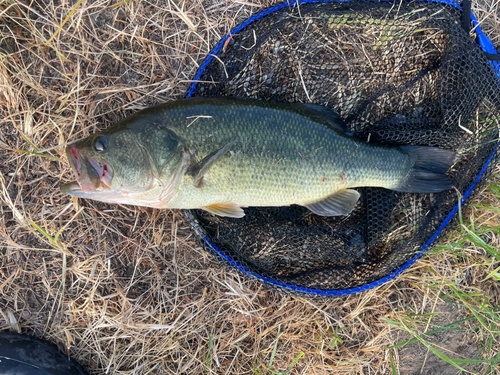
x,y
487,13
126,290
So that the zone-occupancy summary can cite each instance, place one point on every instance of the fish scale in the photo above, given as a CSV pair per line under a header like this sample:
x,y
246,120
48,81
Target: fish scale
x,y
279,157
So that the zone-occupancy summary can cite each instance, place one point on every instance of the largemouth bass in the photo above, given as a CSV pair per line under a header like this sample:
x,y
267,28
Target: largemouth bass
x,y
224,154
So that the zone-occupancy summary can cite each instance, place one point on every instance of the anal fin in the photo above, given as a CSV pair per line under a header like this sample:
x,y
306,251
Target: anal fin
x,y
340,203
225,209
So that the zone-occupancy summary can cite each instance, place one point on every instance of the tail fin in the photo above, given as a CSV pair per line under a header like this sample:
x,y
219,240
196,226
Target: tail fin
x,y
428,174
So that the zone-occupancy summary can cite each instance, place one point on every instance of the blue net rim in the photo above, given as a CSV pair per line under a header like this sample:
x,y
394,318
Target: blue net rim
x,y
485,44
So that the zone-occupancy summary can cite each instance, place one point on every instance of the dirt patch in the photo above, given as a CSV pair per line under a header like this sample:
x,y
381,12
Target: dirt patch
x,y
458,342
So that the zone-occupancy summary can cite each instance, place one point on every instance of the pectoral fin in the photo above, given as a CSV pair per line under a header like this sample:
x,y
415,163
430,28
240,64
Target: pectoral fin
x,y
340,203
199,169
225,209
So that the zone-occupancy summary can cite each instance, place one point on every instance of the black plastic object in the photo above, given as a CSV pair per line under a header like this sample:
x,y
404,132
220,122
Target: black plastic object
x,y
399,73
27,355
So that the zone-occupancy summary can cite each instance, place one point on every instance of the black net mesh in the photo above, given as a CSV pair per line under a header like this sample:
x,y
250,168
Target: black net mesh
x,y
398,73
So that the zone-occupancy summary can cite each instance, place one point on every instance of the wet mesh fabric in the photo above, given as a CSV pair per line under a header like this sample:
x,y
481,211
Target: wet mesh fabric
x,y
398,73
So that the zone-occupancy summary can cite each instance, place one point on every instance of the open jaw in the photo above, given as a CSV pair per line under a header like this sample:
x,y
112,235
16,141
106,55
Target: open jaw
x,y
92,176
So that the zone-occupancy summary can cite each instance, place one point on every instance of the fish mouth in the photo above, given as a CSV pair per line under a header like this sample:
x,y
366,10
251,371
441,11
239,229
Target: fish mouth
x,y
91,175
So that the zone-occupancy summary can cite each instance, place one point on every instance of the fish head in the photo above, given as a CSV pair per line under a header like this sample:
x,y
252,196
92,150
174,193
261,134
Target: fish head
x,y
126,164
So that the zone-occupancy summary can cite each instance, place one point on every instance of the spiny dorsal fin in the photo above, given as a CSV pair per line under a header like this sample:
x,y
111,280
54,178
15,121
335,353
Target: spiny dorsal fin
x,y
199,169
334,119
340,203
225,209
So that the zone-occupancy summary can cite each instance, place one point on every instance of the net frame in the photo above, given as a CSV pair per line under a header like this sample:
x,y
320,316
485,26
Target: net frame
x,y
227,260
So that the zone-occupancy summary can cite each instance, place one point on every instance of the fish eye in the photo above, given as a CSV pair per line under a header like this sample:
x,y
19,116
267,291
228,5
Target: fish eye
x,y
101,144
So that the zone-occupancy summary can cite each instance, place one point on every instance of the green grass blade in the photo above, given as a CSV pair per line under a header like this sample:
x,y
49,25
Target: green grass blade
x,y
31,143
472,310
275,347
430,333
393,367
392,322
39,154
208,356
51,239
292,365
474,238
493,361
486,207
497,358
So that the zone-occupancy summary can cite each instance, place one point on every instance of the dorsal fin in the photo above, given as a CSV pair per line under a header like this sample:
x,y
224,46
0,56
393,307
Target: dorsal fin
x,y
333,118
